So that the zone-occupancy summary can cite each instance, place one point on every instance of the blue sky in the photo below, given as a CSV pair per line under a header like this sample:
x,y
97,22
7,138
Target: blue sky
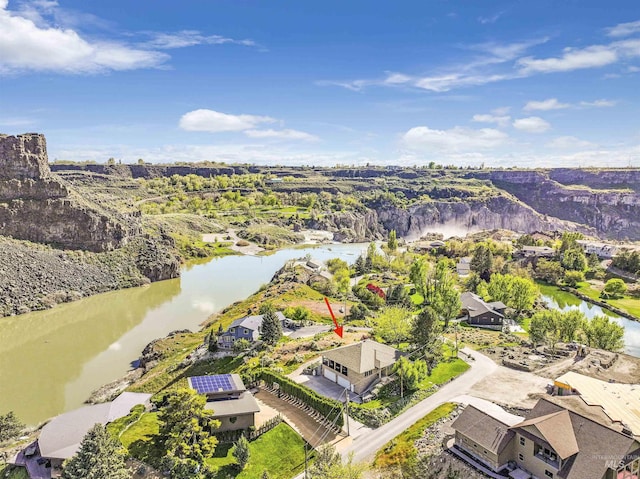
x,y
500,83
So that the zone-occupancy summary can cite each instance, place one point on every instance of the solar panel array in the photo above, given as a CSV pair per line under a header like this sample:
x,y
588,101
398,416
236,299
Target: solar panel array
x,y
210,384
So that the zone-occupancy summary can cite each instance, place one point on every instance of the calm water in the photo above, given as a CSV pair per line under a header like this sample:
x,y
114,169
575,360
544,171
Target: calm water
x,y
50,361
562,300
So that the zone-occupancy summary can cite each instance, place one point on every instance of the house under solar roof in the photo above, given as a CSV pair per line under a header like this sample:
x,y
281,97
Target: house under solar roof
x,y
218,386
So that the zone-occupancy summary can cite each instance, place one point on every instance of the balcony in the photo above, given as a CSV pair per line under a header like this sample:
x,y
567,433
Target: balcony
x,y
552,462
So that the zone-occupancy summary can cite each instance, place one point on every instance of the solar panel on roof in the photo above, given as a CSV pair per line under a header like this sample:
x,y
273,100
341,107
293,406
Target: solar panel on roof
x,y
209,384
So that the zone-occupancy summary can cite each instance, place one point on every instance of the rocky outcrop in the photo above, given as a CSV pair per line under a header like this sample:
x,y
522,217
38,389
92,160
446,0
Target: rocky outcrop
x,y
37,206
613,214
351,227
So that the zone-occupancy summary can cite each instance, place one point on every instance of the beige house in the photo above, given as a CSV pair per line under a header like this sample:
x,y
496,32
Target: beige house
x,y
358,366
228,398
553,442
485,437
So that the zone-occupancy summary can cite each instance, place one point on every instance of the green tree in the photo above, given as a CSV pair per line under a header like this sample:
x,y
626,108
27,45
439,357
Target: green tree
x,y
482,261
603,333
297,313
572,278
569,241
574,259
392,242
212,342
241,344
426,329
441,293
265,475
326,459
418,276
100,456
241,452
549,270
185,437
615,288
393,324
10,426
570,324
411,373
523,294
271,328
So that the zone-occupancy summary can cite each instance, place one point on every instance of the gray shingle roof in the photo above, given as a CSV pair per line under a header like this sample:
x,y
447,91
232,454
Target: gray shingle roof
x,y
253,323
475,305
245,404
483,429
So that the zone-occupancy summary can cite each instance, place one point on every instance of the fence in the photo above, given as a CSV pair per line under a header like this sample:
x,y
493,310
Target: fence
x,y
251,434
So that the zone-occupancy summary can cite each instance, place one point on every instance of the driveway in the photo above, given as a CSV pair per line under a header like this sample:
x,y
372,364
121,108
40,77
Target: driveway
x,y
311,430
322,386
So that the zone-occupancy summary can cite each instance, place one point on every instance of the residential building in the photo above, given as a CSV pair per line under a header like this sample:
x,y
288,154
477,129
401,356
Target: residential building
x,y
485,437
602,250
463,268
249,328
228,398
537,252
552,442
357,367
478,312
60,438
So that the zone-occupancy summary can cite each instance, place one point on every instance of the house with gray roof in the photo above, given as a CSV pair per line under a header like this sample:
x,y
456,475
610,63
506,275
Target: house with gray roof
x,y
228,398
552,442
359,366
249,328
478,312
60,438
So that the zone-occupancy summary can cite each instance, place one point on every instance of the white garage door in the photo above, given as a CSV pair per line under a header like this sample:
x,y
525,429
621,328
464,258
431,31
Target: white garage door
x,y
330,375
344,382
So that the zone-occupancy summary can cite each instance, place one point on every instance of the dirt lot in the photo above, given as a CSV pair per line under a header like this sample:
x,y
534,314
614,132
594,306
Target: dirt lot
x,y
508,387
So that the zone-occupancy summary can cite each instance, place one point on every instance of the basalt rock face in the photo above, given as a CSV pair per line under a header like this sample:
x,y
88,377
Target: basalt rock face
x,y
37,206
613,212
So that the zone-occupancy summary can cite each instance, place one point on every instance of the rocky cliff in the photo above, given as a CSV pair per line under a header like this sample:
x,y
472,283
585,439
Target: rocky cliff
x,y
37,206
612,212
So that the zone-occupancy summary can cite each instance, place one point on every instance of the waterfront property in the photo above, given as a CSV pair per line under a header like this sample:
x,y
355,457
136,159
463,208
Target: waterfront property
x,y
228,398
249,328
478,312
357,367
60,438
552,442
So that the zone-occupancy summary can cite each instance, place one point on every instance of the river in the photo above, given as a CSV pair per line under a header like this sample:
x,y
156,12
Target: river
x,y
51,361
562,300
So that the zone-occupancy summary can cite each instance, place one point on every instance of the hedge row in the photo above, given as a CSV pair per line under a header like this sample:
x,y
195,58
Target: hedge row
x,y
329,408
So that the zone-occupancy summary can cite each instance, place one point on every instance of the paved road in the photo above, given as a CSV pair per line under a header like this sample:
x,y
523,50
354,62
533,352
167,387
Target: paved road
x,y
367,442
365,446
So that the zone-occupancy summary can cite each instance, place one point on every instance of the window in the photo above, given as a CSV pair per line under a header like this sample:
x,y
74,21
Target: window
x,y
331,364
344,370
246,331
521,457
548,473
522,441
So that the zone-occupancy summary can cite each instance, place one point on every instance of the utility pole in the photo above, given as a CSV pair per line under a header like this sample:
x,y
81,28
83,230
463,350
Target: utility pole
x,y
456,329
347,409
305,459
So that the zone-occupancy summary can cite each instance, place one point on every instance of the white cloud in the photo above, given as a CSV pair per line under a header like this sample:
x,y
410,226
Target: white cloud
x,y
602,103
215,121
501,120
285,134
569,142
624,29
545,105
491,18
531,124
593,56
396,78
26,46
456,139
187,38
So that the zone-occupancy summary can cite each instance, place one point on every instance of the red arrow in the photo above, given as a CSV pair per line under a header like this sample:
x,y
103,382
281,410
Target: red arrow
x,y
338,329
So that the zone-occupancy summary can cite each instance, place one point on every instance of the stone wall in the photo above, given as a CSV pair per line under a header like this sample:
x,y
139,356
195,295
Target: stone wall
x,y
38,206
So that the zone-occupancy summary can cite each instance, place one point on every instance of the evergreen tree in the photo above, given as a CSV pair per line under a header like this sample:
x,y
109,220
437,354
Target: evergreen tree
x,y
482,261
241,452
271,328
10,426
392,242
185,437
100,457
426,328
326,459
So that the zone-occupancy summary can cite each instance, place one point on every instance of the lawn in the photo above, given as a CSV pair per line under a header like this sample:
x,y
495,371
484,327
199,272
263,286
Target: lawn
x,y
137,438
280,452
17,473
444,372
401,449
